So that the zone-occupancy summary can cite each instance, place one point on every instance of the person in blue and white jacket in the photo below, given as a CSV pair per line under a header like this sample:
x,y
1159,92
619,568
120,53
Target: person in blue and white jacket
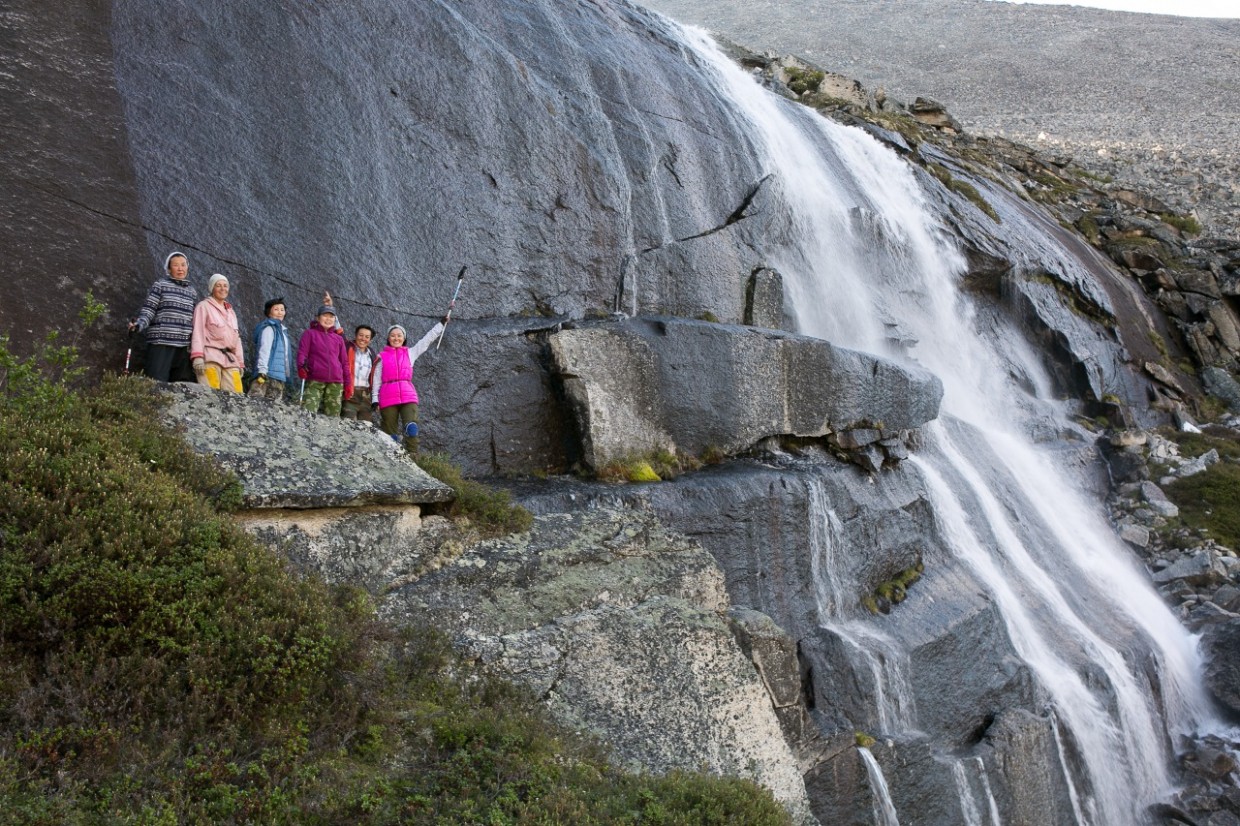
x,y
273,362
167,318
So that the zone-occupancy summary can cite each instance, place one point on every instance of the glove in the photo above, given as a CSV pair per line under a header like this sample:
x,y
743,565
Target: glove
x,y
200,365
348,392
444,320
262,378
303,373
374,405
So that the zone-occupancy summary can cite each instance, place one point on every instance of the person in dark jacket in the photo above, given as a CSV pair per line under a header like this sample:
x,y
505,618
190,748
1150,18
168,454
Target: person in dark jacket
x,y
323,364
167,318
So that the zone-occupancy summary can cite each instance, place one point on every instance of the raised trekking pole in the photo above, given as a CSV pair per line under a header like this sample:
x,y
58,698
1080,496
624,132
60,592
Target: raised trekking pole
x,y
460,277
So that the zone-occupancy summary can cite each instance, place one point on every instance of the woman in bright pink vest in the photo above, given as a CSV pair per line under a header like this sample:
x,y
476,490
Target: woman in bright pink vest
x,y
392,382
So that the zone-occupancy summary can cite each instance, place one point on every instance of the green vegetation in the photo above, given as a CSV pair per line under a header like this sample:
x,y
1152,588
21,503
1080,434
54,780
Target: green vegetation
x,y
863,740
657,466
159,666
893,591
963,188
1186,224
489,509
707,315
1209,502
1052,189
1160,344
1088,225
801,81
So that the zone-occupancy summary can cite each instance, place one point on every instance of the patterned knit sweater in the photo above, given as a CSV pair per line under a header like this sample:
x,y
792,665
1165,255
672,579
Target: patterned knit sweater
x,y
167,315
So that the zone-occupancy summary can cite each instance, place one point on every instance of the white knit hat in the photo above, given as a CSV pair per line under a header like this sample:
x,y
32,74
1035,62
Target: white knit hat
x,y
215,279
171,255
397,327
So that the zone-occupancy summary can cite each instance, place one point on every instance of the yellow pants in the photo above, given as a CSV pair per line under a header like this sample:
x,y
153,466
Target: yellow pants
x,y
231,378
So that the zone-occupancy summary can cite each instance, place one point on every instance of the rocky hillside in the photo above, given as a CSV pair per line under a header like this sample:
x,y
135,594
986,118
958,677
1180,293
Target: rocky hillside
x,y
901,340
1149,100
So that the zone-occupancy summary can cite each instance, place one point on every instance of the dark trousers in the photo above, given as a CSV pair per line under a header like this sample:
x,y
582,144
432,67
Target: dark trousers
x,y
406,413
357,407
166,363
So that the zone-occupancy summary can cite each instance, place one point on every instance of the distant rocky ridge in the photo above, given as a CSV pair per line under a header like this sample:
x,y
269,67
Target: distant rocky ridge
x,y
1150,100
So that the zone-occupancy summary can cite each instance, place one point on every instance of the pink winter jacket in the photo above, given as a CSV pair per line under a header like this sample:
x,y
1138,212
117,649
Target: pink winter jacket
x,y
392,379
215,331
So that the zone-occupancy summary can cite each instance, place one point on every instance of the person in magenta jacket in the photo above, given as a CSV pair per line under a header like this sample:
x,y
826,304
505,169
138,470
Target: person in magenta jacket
x,y
323,364
392,383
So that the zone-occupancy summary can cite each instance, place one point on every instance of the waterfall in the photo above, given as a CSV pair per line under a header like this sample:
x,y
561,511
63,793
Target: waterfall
x,y
884,808
870,652
864,254
968,803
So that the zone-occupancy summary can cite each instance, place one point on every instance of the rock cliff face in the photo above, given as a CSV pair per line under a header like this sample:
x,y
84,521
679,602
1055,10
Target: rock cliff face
x,y
587,163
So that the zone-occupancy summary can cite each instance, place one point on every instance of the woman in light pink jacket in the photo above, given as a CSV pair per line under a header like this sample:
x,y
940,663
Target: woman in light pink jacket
x,y
215,345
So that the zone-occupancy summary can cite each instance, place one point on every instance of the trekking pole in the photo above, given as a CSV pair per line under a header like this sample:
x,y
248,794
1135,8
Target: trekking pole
x,y
129,349
301,397
460,277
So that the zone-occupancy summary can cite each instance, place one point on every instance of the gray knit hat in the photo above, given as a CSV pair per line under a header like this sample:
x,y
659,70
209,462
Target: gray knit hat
x,y
397,327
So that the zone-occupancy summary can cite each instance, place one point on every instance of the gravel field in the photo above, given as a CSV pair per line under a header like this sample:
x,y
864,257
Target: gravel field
x,y
1152,100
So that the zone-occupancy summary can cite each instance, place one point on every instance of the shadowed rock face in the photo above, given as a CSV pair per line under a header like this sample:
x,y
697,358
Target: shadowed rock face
x,y
374,148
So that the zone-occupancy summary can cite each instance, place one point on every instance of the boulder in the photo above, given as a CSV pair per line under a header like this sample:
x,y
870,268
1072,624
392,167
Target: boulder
x,y
286,457
764,299
1224,385
639,386
1220,647
622,629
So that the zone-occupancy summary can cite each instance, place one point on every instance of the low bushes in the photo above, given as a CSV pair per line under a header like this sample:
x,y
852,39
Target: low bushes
x,y
158,666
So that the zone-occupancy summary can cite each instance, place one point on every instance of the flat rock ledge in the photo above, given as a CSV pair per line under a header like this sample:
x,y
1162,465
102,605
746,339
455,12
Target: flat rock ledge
x,y
643,385
286,457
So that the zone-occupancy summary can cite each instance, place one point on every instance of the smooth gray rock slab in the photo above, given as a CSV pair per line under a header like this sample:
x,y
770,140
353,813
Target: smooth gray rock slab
x,y
660,383
288,458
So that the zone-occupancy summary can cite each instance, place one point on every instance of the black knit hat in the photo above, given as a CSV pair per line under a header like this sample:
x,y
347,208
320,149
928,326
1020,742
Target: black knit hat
x,y
273,302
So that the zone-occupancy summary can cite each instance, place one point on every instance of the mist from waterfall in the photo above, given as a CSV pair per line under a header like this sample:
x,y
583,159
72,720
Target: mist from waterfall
x,y
865,263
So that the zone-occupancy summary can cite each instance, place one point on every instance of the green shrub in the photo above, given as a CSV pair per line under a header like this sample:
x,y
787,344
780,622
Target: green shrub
x,y
801,81
1210,500
490,509
158,666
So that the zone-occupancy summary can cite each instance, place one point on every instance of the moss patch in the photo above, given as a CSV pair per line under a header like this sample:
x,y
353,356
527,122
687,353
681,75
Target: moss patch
x,y
963,188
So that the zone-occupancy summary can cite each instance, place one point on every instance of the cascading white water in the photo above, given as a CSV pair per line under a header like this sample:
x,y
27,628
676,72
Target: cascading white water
x,y
868,650
884,808
865,254
972,814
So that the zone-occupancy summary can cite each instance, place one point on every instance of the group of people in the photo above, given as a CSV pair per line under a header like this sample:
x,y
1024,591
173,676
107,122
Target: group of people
x,y
192,340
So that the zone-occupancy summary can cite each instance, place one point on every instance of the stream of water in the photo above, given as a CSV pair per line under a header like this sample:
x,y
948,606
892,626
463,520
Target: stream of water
x,y
868,255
